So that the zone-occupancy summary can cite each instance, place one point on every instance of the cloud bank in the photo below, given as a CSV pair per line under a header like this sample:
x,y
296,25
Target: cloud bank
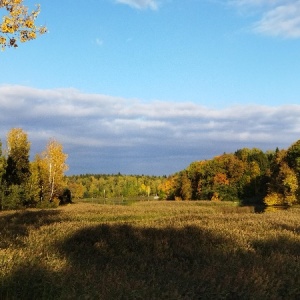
x,y
105,134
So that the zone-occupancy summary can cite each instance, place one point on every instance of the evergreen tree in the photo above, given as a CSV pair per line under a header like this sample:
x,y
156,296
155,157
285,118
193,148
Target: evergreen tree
x,y
17,170
2,172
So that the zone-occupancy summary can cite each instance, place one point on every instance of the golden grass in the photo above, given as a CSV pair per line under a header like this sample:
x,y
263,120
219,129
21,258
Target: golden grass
x,y
150,250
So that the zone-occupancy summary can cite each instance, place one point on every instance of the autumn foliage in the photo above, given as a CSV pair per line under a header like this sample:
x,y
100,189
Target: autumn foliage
x,y
248,176
25,183
116,186
18,24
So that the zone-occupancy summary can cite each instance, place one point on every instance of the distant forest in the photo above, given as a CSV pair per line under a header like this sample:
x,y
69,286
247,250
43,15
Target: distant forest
x,y
250,176
115,186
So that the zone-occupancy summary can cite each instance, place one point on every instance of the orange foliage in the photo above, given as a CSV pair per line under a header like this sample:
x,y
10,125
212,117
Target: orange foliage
x,y
221,178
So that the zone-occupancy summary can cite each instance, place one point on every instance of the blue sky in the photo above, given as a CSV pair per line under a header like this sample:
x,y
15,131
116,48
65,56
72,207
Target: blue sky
x,y
146,86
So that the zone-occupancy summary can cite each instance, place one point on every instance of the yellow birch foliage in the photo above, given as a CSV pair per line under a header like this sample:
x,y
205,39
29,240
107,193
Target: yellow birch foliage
x,y
146,189
54,165
77,189
18,24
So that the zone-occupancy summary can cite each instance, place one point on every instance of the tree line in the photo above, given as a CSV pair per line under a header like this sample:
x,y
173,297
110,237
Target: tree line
x,y
43,183
115,186
40,183
248,175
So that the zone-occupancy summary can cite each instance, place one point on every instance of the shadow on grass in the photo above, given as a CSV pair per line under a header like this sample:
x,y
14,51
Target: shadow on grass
x,y
16,225
31,281
128,262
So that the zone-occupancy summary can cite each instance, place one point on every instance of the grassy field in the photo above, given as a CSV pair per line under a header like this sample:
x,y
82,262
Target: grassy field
x,y
150,250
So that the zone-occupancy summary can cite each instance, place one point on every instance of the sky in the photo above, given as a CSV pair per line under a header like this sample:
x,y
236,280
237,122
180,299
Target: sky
x,y
149,86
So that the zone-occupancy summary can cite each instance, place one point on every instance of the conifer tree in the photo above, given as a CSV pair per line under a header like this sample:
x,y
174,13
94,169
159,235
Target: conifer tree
x,y
2,172
18,147
17,169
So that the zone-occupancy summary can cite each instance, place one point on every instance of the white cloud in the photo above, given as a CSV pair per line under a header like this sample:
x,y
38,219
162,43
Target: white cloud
x,y
276,17
281,20
140,4
108,134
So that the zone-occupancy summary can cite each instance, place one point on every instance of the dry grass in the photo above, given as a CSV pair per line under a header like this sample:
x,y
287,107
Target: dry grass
x,y
150,250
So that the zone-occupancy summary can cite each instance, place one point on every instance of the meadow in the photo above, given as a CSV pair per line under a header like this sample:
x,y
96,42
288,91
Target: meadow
x,y
150,250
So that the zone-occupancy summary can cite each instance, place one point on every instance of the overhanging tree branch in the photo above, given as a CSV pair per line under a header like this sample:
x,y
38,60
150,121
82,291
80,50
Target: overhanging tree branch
x,y
18,25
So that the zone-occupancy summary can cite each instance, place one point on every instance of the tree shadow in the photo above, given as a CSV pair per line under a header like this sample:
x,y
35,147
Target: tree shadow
x,y
127,262
130,262
281,263
16,225
145,262
31,282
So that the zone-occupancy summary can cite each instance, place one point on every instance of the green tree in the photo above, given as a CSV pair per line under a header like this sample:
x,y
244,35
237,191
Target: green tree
x,y
283,188
17,171
184,186
2,162
14,197
35,186
289,183
2,173
256,174
293,157
18,166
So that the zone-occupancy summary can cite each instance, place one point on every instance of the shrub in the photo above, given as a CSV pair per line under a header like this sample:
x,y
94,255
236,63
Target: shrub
x,y
13,197
274,199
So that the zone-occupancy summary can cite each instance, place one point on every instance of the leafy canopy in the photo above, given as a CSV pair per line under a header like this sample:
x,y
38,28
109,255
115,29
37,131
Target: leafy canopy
x,y
18,24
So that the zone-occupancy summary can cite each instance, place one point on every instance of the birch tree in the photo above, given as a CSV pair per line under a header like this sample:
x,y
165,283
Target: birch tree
x,y
53,167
